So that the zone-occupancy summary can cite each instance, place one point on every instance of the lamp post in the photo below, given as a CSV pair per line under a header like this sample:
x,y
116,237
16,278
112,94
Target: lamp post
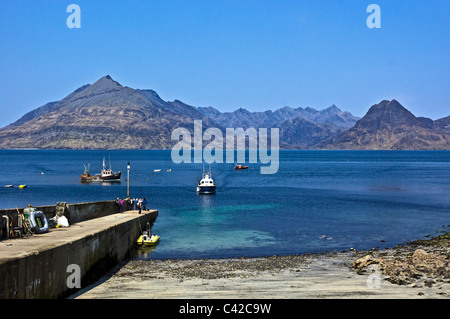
x,y
128,180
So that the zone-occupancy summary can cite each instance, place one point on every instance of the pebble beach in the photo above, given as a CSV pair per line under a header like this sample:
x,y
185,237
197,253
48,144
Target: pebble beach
x,y
418,269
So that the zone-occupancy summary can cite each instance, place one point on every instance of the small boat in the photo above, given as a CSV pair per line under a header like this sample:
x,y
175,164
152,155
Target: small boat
x,y
106,175
9,186
157,170
38,222
147,238
86,177
23,186
206,185
240,166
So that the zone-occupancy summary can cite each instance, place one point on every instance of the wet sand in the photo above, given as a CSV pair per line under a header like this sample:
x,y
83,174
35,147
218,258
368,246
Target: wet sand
x,y
328,275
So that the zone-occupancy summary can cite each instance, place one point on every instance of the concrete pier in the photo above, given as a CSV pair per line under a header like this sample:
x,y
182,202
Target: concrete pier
x,y
40,265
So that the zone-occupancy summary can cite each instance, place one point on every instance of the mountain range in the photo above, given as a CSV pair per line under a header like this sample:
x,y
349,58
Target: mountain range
x,y
107,115
389,125
104,115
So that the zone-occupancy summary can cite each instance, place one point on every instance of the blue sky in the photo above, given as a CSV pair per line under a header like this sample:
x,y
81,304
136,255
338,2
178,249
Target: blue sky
x,y
228,54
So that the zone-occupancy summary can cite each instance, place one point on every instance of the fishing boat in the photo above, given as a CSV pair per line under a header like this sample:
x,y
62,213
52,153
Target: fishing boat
x,y
240,166
86,177
106,175
206,185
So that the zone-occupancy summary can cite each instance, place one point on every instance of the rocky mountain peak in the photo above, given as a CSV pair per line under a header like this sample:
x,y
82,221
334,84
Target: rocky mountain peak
x,y
333,108
390,126
389,113
106,82
103,85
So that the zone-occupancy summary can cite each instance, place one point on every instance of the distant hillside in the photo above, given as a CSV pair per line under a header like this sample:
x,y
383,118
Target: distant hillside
x,y
104,115
299,133
390,126
107,115
299,128
243,118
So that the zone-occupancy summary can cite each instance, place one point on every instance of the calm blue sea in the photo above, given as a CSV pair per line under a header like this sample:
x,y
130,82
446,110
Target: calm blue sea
x,y
318,201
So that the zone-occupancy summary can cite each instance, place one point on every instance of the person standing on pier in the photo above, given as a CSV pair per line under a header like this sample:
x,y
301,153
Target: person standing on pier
x,y
144,203
118,204
130,202
139,205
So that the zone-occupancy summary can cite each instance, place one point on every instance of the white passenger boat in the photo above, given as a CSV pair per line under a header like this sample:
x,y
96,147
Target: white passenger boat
x,y
206,185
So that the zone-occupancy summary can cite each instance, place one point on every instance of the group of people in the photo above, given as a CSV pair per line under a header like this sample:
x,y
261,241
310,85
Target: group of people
x,y
137,204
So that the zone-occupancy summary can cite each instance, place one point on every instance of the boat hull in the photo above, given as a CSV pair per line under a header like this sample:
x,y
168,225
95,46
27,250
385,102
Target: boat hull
x,y
85,178
206,189
111,178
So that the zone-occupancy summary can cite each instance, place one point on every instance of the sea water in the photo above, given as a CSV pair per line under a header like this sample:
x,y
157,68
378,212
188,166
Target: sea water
x,y
317,201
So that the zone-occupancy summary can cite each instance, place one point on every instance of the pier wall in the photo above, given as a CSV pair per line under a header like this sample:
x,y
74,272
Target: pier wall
x,y
37,266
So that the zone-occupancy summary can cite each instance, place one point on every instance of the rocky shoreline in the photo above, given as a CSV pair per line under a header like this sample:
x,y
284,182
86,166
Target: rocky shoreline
x,y
418,269
421,263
